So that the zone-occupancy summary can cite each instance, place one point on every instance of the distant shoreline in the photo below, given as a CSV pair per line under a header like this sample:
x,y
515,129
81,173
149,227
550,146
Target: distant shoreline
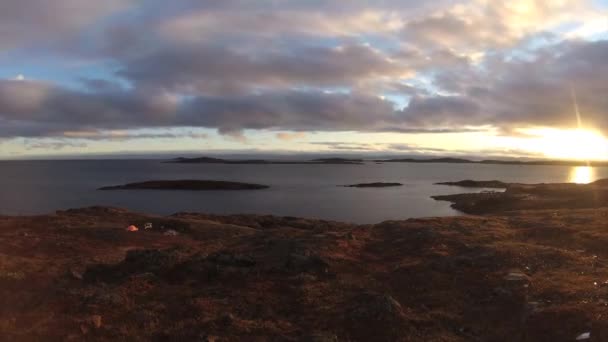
x,y
494,162
209,160
329,161
355,161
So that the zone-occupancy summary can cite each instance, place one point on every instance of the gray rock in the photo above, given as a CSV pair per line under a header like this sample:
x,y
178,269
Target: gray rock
x,y
229,259
377,307
306,263
320,337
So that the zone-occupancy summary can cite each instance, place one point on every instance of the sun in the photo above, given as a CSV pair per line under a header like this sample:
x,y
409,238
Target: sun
x,y
574,144
582,175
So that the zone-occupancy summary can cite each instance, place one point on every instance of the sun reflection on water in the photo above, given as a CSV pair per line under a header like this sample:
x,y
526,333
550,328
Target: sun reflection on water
x,y
582,174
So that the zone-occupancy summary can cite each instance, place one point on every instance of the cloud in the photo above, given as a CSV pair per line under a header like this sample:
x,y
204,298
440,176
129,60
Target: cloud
x,y
53,145
538,91
31,108
38,108
25,23
200,69
290,110
123,135
347,146
507,93
285,136
396,150
479,25
267,18
326,65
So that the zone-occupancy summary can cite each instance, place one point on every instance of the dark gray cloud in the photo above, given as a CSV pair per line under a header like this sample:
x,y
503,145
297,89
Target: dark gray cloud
x,y
25,23
293,110
34,108
195,69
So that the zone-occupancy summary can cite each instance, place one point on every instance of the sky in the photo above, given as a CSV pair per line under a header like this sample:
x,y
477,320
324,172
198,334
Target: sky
x,y
515,78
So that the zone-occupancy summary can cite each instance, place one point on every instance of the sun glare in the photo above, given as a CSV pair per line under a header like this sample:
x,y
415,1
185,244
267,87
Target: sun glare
x,y
576,144
582,175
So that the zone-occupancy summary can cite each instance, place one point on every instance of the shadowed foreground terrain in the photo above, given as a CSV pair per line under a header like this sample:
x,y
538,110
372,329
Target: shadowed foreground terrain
x,y
525,276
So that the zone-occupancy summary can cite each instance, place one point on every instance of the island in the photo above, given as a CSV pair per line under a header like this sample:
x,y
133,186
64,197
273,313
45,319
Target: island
x,y
477,184
372,185
209,160
196,185
519,196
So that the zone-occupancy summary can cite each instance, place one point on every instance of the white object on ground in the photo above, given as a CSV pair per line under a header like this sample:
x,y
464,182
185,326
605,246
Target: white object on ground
x,y
584,336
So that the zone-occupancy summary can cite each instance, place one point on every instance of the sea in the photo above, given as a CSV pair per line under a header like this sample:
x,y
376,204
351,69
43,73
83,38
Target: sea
x,y
311,191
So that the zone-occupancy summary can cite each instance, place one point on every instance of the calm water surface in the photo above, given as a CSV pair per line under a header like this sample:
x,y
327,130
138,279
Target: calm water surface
x,y
36,187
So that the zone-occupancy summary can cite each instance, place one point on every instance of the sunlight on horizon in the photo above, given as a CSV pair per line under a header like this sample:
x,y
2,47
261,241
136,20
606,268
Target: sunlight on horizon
x,y
572,144
582,175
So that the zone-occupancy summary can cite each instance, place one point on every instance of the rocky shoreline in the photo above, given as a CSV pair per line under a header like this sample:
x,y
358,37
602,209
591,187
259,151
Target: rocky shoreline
x,y
477,184
527,196
523,275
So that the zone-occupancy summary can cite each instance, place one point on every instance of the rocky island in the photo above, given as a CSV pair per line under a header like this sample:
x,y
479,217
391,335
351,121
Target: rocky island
x,y
195,185
477,184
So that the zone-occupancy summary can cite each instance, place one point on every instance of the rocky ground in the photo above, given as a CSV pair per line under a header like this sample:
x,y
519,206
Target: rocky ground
x,y
527,196
525,276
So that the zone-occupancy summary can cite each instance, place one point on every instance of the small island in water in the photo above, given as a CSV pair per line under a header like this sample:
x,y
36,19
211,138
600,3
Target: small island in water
x,y
197,185
477,184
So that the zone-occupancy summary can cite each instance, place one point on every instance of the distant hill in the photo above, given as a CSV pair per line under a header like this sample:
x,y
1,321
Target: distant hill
x,y
433,160
209,160
358,161
337,160
492,161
